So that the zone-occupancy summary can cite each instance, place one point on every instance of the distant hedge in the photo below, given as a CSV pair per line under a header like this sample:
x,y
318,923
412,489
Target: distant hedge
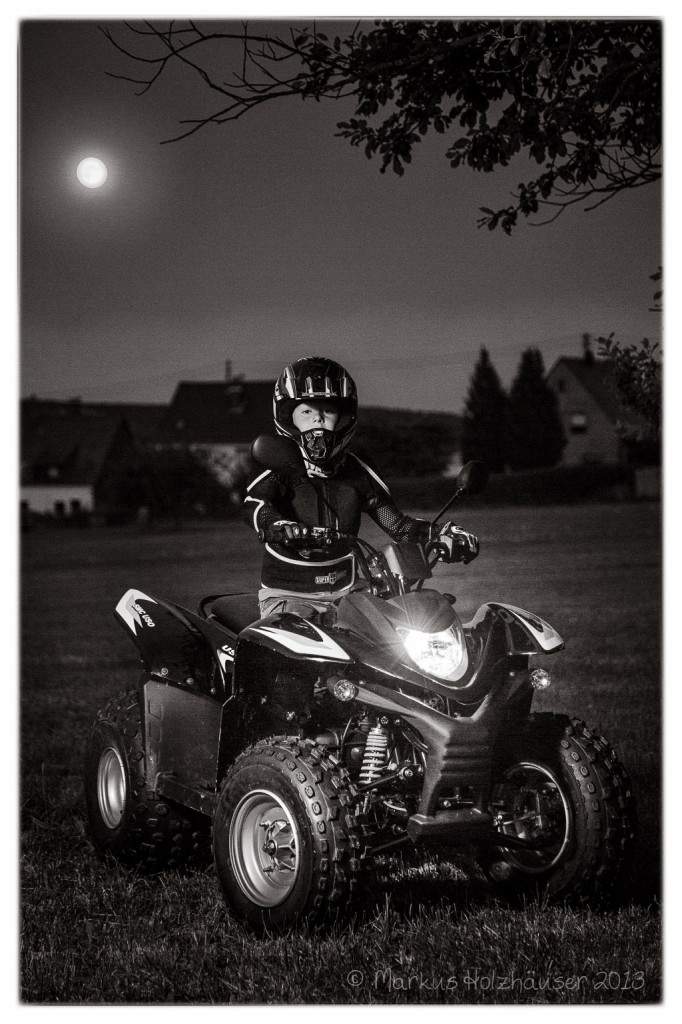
x,y
406,443
560,485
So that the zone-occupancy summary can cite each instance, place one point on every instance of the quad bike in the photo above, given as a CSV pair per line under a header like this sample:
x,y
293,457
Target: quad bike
x,y
309,749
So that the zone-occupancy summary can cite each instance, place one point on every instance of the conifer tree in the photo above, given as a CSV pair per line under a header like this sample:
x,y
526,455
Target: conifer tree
x,y
484,420
535,435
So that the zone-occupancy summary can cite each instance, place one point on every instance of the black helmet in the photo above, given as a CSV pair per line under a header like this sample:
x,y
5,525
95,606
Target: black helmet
x,y
315,378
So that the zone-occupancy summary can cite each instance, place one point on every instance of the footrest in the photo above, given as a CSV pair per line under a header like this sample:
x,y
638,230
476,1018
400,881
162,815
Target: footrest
x,y
456,827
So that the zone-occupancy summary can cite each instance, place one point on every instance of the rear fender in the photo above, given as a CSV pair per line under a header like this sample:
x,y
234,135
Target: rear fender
x,y
525,632
173,648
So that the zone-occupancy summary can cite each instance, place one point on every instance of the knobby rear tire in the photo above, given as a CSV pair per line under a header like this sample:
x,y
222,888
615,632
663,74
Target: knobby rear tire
x,y
126,817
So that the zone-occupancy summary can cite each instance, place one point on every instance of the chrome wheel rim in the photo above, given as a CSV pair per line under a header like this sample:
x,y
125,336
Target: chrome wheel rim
x,y
535,808
264,848
111,787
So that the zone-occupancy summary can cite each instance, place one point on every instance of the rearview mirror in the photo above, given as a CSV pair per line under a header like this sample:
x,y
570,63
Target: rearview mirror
x,y
473,477
276,453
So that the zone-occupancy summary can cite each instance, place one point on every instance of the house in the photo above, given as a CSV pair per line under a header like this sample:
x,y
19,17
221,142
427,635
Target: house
x,y
598,427
218,420
78,460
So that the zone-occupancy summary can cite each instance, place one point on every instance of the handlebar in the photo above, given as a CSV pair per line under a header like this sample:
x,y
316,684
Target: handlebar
x,y
433,552
366,552
324,535
327,536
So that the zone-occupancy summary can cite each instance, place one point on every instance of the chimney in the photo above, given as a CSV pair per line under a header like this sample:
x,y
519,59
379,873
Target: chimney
x,y
228,370
588,354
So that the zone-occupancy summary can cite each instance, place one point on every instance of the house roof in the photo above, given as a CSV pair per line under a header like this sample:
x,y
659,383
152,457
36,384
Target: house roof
x,y
67,450
598,379
142,418
217,412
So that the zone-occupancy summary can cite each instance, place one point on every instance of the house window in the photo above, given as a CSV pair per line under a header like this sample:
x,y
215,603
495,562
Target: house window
x,y
578,423
59,509
561,385
75,506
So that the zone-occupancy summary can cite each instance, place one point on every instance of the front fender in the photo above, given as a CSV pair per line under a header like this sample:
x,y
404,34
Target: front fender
x,y
526,633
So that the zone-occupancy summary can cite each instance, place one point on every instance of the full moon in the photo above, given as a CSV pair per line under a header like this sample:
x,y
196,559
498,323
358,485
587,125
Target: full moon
x,y
92,172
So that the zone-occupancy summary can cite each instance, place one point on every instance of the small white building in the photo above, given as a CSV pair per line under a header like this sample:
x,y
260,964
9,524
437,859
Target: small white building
x,y
77,461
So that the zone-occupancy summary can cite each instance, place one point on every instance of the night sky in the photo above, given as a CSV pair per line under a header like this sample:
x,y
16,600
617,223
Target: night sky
x,y
269,239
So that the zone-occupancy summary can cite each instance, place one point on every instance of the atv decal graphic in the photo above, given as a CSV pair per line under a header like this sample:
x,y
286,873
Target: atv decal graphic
x,y
132,613
225,654
324,647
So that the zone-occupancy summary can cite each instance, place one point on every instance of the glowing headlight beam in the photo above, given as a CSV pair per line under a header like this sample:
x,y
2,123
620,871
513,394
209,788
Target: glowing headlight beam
x,y
440,654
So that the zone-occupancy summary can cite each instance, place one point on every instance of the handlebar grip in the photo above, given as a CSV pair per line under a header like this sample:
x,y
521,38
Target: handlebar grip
x,y
440,551
325,535
328,532
321,535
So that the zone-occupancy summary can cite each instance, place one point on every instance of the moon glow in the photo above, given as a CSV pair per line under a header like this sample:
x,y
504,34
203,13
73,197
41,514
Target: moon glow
x,y
92,172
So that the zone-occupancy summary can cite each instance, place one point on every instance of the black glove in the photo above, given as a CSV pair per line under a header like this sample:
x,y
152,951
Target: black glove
x,y
287,532
455,544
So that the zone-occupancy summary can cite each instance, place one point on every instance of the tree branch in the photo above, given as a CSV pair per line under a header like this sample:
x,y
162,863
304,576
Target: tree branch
x,y
585,93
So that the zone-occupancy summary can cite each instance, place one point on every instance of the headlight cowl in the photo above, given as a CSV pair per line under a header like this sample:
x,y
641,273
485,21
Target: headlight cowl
x,y
442,654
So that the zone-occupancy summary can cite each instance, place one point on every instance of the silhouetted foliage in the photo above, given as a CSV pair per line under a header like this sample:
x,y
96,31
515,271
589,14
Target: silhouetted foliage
x,y
535,436
560,485
638,371
579,98
484,421
404,443
181,486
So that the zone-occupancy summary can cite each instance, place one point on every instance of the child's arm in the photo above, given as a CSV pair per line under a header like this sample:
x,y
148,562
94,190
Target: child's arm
x,y
263,500
399,527
457,544
379,505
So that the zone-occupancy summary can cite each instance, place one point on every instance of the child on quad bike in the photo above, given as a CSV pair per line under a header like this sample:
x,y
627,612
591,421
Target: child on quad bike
x,y
306,570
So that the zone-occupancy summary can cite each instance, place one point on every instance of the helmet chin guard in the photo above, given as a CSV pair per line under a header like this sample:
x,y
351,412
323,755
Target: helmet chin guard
x,y
318,445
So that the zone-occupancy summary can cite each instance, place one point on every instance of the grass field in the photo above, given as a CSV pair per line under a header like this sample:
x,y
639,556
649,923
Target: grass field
x,y
95,932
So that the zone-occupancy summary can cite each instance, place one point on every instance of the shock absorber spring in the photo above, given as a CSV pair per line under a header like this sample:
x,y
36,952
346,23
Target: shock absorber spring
x,y
375,755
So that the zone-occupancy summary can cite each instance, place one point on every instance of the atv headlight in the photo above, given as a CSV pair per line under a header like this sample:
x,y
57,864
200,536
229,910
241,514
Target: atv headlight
x,y
441,654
